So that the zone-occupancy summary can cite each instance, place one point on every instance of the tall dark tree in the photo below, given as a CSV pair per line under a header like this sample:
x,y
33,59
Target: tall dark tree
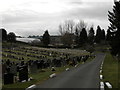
x,y
83,36
76,36
46,38
11,37
103,34
108,36
98,35
91,36
4,34
114,18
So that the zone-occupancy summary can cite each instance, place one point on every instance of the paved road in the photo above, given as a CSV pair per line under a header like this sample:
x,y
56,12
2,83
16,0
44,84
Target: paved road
x,y
84,76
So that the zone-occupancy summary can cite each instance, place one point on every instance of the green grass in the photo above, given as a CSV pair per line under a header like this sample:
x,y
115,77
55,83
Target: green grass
x,y
38,77
110,70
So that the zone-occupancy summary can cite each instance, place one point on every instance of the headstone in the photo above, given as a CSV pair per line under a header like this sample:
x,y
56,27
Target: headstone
x,y
8,78
23,73
53,69
58,63
13,69
33,68
8,62
38,65
4,69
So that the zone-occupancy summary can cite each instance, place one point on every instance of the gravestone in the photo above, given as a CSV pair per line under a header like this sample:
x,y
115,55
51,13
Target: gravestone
x,y
23,73
8,78
13,69
42,64
58,63
53,69
8,62
4,69
38,65
33,67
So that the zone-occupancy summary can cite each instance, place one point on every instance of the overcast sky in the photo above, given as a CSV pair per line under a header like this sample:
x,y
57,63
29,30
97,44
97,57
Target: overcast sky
x,y
33,17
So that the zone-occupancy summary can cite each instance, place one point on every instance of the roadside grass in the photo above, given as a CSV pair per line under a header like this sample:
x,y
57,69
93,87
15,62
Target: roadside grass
x,y
110,70
38,77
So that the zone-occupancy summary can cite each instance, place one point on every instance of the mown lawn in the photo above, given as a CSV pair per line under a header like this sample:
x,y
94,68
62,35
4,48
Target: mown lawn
x,y
38,77
110,70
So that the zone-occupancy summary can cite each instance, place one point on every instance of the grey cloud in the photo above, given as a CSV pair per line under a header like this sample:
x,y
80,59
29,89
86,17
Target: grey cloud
x,y
75,3
26,16
98,11
22,21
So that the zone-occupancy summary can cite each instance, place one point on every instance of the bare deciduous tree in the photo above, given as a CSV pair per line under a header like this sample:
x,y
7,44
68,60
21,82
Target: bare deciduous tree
x,y
61,29
67,27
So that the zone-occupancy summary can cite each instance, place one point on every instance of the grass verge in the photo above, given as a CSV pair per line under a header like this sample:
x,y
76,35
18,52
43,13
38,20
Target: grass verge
x,y
110,70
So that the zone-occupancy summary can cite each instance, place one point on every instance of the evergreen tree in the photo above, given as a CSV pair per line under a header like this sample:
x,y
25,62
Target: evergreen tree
x,y
11,37
4,34
108,36
114,18
98,35
46,38
83,36
103,34
76,36
91,36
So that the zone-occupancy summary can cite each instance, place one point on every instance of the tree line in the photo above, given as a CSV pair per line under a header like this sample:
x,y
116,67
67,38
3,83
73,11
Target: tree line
x,y
10,37
68,29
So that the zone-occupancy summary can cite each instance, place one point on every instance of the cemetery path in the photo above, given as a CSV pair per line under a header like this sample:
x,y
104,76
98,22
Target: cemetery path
x,y
83,76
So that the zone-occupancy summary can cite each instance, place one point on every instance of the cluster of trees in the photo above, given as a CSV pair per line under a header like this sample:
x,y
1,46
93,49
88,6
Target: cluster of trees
x,y
73,33
11,37
113,33
79,30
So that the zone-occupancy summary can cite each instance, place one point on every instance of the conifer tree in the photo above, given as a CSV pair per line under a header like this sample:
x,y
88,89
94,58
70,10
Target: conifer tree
x,y
91,35
114,18
4,34
76,36
98,35
108,36
103,34
83,36
46,38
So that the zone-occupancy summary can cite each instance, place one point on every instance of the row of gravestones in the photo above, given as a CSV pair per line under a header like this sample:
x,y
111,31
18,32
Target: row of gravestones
x,y
11,74
21,58
34,51
11,69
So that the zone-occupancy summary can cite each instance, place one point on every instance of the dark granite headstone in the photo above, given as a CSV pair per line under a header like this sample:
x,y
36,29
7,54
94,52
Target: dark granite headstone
x,y
23,73
4,69
8,78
